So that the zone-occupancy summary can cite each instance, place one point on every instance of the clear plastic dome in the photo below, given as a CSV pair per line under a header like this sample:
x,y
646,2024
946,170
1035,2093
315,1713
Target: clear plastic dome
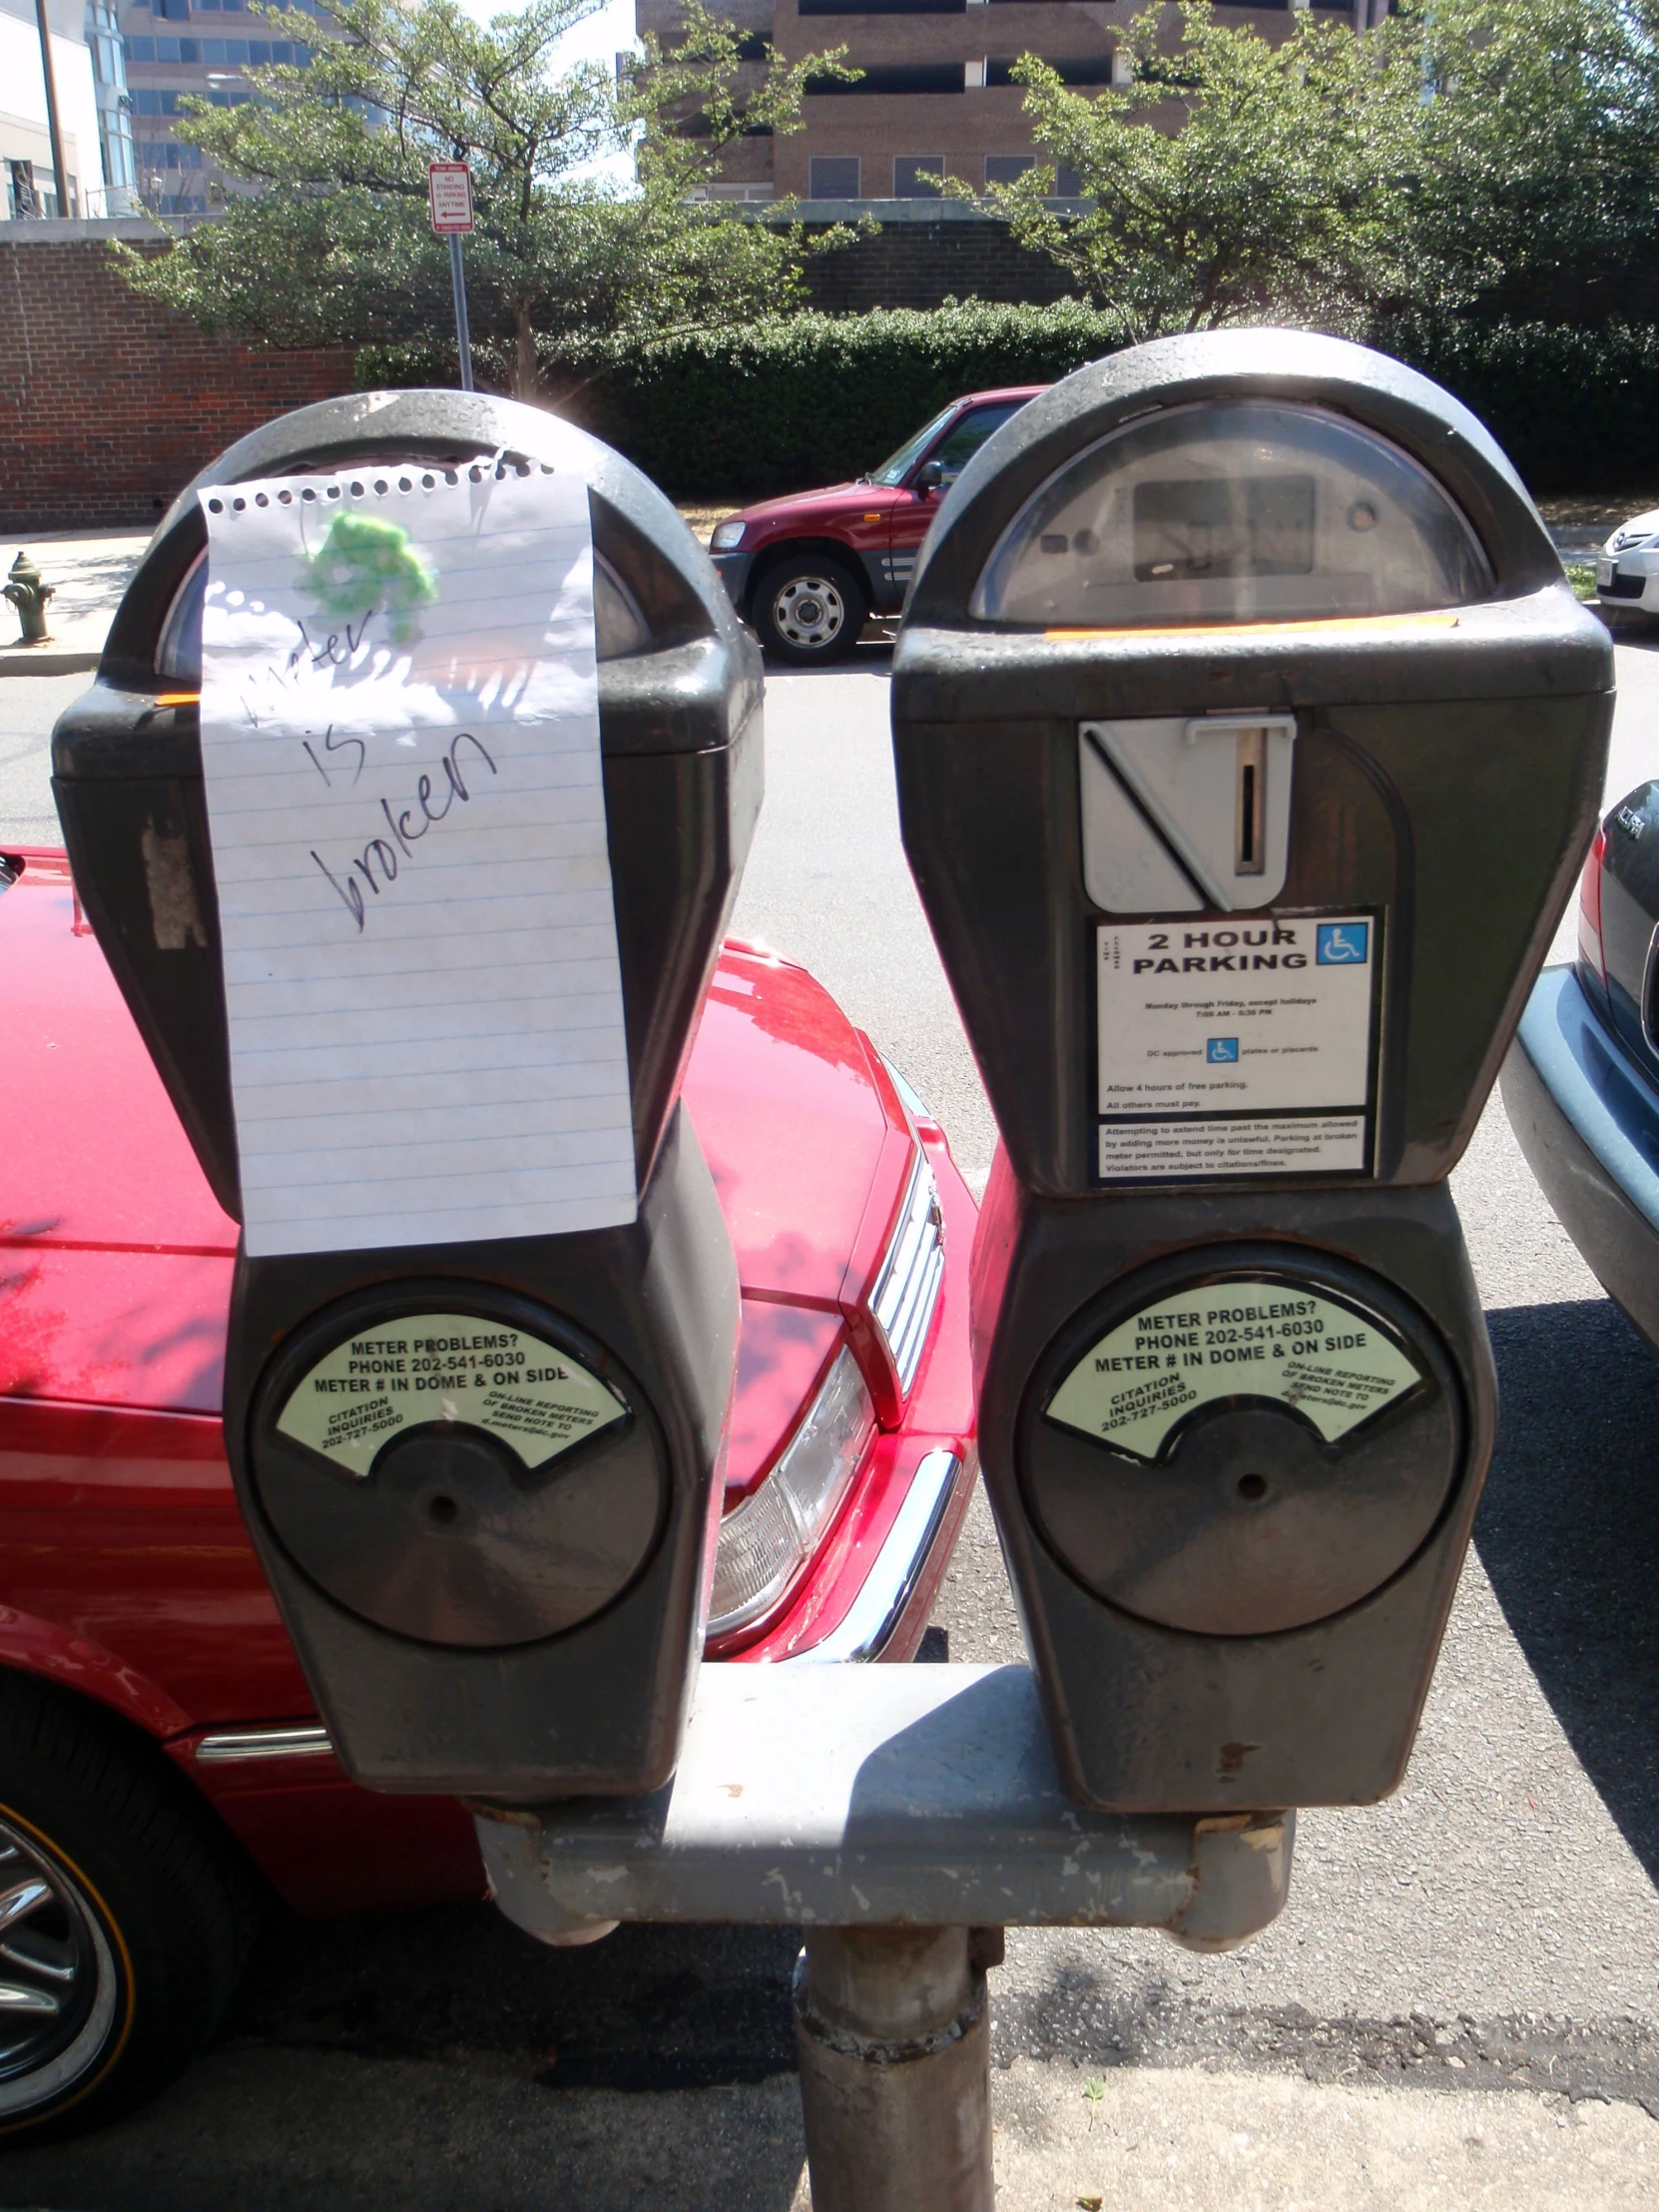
x,y
1233,511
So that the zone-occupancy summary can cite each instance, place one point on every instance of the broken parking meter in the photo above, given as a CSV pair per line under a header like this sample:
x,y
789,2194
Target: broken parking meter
x,y
1247,736
408,808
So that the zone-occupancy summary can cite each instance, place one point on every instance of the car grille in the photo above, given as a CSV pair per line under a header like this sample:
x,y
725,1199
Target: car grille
x,y
907,1287
1623,587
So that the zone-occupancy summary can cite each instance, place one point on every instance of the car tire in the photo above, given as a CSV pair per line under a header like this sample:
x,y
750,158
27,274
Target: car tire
x,y
808,611
124,1920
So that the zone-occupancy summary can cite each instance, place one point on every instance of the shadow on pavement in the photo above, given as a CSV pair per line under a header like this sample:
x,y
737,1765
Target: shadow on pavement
x,y
440,2062
645,2009
1569,1532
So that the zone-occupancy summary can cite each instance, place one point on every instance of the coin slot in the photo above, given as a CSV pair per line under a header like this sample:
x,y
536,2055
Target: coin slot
x,y
1251,815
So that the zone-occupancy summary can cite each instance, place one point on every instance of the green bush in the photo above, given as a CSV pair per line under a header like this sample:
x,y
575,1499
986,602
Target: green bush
x,y
799,400
812,398
1576,409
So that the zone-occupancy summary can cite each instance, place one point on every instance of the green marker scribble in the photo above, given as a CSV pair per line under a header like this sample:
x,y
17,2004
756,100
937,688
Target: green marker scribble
x,y
365,563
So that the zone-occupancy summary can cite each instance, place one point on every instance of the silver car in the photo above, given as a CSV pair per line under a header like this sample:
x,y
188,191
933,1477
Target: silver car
x,y
1627,568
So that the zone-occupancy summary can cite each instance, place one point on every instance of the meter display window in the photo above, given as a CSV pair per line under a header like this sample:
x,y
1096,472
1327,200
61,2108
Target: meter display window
x,y
1233,512
620,628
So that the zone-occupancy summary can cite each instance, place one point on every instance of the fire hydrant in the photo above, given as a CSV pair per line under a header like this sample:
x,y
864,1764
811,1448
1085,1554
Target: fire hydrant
x,y
29,596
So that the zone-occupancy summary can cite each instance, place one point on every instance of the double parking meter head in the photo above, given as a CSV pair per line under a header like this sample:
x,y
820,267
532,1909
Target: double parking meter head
x,y
1248,736
480,1465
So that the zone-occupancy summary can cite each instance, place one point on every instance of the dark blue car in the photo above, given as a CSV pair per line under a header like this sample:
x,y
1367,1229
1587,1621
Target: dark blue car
x,y
1581,1083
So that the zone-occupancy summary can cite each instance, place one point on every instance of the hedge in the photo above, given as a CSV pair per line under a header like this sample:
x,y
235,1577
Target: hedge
x,y
781,404
1576,409
812,398
801,399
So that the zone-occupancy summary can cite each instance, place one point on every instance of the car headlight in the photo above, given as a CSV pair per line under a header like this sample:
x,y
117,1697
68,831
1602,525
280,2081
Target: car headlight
x,y
768,1539
727,538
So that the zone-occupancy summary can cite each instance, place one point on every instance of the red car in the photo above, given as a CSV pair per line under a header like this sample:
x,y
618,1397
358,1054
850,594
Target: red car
x,y
807,572
160,1757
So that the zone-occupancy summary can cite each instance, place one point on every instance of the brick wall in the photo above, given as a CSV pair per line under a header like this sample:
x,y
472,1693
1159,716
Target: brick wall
x,y
110,404
913,264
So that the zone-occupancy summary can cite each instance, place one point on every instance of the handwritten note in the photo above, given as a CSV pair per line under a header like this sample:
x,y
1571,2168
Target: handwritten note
x,y
401,743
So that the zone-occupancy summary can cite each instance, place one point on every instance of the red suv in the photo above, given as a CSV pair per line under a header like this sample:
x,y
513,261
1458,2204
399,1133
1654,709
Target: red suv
x,y
808,571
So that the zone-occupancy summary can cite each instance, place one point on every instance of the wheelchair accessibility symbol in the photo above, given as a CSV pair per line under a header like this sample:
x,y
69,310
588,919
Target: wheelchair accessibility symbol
x,y
1342,944
1219,1049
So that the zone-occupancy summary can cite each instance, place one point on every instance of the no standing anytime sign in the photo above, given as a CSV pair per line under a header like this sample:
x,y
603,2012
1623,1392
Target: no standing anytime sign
x,y
450,187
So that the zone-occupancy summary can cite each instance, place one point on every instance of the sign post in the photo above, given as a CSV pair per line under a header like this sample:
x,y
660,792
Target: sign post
x,y
449,184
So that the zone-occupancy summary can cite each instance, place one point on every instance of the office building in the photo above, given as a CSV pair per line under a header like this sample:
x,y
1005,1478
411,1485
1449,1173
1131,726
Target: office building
x,y
936,98
25,139
176,47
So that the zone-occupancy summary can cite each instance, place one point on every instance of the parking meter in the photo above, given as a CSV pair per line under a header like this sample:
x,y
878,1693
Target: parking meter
x,y
477,1449
1248,737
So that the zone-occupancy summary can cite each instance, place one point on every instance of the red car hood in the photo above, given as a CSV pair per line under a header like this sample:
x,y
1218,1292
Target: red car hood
x,y
832,499
115,1258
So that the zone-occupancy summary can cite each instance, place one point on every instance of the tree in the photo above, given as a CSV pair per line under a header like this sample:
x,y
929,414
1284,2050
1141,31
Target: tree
x,y
1540,150
1285,182
336,248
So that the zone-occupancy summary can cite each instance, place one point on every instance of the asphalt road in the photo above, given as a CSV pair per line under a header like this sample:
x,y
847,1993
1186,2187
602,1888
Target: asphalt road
x,y
1494,1928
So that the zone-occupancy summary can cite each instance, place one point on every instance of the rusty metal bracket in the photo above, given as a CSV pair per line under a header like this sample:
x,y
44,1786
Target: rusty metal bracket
x,y
874,1796
902,1817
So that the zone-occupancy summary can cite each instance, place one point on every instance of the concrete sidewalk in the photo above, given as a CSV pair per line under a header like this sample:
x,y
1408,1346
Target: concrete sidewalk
x,y
90,569
411,2135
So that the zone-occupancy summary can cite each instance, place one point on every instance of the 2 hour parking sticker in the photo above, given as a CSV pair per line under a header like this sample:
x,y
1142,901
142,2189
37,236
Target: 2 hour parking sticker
x,y
1250,1339
1238,1047
446,1367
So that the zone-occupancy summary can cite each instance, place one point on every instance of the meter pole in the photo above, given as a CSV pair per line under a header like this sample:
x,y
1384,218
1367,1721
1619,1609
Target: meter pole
x,y
464,337
893,2029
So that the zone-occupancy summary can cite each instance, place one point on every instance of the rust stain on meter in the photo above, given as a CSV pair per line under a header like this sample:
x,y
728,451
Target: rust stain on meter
x,y
426,1367
1297,1348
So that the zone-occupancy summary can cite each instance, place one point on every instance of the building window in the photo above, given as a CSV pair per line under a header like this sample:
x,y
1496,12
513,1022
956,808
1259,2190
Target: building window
x,y
1007,168
881,7
1089,70
910,173
917,76
834,176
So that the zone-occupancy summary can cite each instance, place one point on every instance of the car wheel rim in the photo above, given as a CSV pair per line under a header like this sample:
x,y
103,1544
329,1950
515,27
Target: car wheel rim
x,y
809,613
58,1981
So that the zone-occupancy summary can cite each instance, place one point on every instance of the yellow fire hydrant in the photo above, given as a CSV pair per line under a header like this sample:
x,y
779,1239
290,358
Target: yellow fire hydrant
x,y
29,596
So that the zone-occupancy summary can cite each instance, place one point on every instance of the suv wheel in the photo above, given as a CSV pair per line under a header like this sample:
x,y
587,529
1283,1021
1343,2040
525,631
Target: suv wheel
x,y
810,610
123,1920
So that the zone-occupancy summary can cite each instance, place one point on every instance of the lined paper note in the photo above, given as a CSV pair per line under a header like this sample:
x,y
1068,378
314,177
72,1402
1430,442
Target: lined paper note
x,y
401,743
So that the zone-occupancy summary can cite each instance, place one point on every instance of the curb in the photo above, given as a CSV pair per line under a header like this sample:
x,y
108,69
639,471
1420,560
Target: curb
x,y
41,661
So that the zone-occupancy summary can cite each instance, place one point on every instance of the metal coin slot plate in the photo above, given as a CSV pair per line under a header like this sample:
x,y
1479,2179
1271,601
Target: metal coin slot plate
x,y
1185,813
1296,1347
424,1367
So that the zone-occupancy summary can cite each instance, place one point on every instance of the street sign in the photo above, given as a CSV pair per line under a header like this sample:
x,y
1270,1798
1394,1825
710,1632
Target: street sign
x,y
449,188
449,184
